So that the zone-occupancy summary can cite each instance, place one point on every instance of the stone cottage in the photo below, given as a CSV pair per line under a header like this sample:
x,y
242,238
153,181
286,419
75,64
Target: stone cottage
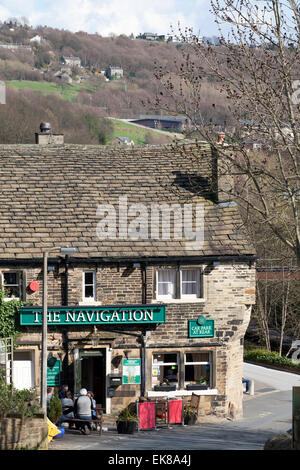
x,y
161,284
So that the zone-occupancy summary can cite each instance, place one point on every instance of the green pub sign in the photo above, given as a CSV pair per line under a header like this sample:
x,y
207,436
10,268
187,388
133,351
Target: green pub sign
x,y
201,328
103,315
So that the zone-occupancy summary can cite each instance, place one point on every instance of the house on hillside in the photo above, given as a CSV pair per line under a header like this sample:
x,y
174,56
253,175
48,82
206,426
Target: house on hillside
x,y
142,293
71,61
113,72
20,47
37,39
151,37
123,141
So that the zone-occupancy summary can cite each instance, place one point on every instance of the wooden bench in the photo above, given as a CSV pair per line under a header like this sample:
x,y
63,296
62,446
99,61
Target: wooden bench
x,y
93,421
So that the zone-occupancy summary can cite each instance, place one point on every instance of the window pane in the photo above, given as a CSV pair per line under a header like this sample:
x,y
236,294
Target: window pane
x,y
166,282
197,357
89,278
10,278
12,291
190,282
89,291
189,275
198,374
164,367
189,288
165,358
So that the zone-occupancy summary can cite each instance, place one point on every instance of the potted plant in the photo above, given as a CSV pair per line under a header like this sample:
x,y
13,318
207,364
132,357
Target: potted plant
x,y
201,385
165,386
190,415
127,420
54,411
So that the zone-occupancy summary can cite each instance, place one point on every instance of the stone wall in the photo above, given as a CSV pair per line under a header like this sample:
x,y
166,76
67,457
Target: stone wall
x,y
24,433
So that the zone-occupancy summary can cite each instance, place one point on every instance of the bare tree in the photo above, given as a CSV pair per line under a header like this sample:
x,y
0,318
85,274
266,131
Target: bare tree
x,y
255,70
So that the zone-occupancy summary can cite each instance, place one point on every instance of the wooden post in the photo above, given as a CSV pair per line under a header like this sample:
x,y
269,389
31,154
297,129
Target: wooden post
x,y
296,418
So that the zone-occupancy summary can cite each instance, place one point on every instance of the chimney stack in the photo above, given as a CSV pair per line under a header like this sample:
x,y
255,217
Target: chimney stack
x,y
223,180
46,137
221,137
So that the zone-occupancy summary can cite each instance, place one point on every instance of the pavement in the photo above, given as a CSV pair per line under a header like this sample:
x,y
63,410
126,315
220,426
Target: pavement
x,y
267,412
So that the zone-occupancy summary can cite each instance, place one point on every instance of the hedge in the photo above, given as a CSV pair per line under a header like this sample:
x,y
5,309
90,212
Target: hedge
x,y
272,358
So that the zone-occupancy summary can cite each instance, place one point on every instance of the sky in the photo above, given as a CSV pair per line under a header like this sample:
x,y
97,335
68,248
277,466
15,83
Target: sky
x,y
114,16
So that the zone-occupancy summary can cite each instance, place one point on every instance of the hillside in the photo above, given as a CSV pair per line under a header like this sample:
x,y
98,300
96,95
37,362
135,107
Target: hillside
x,y
37,69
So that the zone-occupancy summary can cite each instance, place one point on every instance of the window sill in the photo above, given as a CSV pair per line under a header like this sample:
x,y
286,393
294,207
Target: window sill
x,y
182,393
189,300
90,302
8,299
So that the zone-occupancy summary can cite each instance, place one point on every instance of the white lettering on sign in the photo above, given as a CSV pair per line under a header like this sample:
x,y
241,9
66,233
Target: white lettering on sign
x,y
96,316
70,315
36,314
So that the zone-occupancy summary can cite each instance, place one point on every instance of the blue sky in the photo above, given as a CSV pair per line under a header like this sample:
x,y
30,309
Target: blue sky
x,y
117,16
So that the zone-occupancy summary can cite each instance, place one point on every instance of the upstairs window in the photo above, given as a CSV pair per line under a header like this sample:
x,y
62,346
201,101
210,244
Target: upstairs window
x,y
185,283
12,284
166,283
190,283
89,286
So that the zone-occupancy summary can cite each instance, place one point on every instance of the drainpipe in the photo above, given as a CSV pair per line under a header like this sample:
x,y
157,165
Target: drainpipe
x,y
65,331
66,280
144,284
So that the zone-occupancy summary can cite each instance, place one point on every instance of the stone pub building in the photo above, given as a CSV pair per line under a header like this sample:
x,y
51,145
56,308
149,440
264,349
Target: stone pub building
x,y
143,298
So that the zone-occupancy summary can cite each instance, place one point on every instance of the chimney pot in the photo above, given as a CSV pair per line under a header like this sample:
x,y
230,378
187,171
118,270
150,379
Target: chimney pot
x,y
45,127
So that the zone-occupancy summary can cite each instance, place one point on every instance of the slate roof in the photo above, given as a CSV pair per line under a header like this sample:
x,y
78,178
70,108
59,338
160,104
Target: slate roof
x,y
49,197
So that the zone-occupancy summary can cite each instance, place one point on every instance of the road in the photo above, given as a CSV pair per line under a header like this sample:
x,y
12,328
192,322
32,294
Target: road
x,y
267,412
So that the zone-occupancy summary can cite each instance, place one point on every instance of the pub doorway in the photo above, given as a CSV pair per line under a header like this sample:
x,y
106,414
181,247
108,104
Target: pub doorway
x,y
93,374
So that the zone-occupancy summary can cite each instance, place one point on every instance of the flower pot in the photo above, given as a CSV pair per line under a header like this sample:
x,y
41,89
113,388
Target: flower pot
x,y
196,387
61,432
190,419
164,388
126,427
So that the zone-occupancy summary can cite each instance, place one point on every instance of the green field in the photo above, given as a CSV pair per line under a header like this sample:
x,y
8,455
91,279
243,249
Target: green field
x,y
66,91
134,132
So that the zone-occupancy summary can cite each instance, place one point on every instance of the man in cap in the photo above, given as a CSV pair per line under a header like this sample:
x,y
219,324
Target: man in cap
x,y
83,410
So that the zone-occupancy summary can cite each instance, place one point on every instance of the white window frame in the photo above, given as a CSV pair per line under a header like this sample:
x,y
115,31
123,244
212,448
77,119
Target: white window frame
x,y
164,364
198,284
201,363
20,284
89,299
200,297
168,296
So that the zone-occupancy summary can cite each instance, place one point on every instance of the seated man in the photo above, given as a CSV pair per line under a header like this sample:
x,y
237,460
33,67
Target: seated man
x,y
171,376
83,410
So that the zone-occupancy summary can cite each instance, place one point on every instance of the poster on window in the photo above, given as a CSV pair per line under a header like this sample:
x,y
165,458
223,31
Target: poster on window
x,y
131,371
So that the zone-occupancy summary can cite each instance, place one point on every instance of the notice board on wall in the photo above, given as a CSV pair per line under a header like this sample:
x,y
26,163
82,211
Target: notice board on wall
x,y
131,371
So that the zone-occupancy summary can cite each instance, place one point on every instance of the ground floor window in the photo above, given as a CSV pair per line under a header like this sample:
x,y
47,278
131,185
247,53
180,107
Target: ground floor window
x,y
165,366
197,368
12,284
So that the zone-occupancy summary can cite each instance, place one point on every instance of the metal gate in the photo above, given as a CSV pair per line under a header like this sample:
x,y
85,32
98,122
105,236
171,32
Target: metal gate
x,y
6,359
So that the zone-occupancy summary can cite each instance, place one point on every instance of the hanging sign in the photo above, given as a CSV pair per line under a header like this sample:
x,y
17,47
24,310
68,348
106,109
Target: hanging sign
x,y
53,371
105,315
201,328
131,371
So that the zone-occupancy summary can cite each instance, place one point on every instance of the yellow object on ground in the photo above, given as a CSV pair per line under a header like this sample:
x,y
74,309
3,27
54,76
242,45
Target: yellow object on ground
x,y
52,430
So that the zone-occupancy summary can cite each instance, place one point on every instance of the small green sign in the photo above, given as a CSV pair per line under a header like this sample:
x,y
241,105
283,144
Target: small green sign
x,y
131,371
53,371
201,328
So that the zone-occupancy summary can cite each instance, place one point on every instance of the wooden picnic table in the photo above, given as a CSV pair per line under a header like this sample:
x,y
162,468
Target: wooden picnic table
x,y
98,420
